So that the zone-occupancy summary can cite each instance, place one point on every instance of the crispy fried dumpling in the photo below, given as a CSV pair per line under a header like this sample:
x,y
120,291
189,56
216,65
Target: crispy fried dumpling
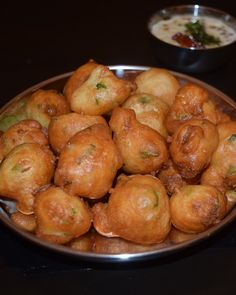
x,y
25,131
44,104
143,149
25,170
88,163
94,90
78,78
138,209
221,172
62,128
192,146
195,208
60,217
158,82
192,102
23,221
150,110
13,114
100,221
177,236
84,243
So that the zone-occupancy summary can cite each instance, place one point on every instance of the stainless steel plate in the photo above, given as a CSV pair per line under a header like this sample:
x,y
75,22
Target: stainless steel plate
x,y
128,72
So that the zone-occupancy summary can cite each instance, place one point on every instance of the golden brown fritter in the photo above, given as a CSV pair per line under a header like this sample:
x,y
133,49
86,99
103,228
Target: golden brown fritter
x,y
221,172
25,131
88,163
62,128
158,82
44,104
192,102
13,114
192,146
177,236
150,110
231,199
195,208
25,222
78,78
138,209
84,243
94,90
100,221
143,149
60,217
25,170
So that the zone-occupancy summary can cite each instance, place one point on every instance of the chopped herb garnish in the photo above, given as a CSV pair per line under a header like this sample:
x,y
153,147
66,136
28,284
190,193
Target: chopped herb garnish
x,y
73,211
181,116
231,171
148,154
90,149
17,168
20,168
156,194
86,153
197,31
231,195
144,99
232,138
188,190
100,86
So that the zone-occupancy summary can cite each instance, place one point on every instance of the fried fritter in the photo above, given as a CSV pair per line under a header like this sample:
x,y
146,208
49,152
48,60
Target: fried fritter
x,y
60,217
13,114
221,172
138,209
94,90
100,221
78,78
192,146
195,208
25,170
25,222
62,128
25,131
44,104
88,163
158,82
192,102
84,243
150,110
177,236
143,149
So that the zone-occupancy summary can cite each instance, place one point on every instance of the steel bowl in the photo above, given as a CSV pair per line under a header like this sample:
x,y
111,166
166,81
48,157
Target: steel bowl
x,y
191,60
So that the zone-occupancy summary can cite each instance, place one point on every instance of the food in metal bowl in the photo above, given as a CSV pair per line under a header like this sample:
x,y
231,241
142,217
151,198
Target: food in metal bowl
x,y
192,38
111,180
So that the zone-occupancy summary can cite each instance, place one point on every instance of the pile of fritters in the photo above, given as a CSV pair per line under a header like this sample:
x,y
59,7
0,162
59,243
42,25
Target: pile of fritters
x,y
113,165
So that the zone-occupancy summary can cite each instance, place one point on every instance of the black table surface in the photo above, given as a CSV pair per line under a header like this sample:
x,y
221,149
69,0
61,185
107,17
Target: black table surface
x,y
40,40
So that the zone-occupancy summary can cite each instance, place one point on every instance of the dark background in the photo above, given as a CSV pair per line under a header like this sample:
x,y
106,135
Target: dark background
x,y
40,40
